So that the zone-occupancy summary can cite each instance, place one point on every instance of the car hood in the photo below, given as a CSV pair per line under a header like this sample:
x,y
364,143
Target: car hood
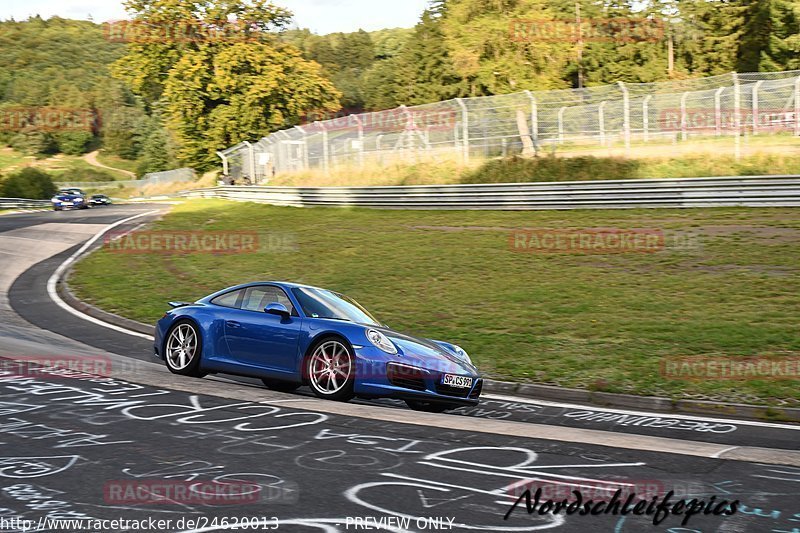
x,y
426,353
68,197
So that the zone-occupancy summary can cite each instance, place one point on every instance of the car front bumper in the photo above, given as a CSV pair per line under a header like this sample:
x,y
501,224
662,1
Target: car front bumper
x,y
380,375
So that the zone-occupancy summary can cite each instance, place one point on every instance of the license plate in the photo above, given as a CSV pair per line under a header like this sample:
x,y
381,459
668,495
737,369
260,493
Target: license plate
x,y
67,203
459,382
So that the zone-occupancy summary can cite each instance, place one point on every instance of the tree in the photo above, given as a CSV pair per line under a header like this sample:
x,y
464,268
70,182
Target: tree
x,y
157,150
33,142
73,142
29,183
428,64
220,91
489,60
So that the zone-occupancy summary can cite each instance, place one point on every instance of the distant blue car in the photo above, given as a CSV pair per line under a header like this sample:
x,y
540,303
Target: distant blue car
x,y
290,335
69,199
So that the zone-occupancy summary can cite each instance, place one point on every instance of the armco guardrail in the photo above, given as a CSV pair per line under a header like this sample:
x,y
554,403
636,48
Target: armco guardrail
x,y
14,203
761,191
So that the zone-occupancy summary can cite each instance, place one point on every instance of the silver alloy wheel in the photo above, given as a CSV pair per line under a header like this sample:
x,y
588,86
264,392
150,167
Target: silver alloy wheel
x,y
181,346
329,367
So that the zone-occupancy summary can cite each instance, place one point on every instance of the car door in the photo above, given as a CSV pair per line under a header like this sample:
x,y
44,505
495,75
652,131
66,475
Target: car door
x,y
259,340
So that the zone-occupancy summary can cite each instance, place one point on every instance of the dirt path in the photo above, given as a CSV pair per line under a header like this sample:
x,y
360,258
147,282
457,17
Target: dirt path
x,y
91,158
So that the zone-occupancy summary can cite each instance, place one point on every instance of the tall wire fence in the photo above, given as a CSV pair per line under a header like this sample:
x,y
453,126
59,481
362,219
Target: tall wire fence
x,y
531,122
153,178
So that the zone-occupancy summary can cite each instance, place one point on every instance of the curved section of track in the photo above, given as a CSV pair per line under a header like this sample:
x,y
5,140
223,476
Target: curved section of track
x,y
366,461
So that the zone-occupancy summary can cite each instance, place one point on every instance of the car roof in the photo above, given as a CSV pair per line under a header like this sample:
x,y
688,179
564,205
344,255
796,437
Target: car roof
x,y
286,285
283,284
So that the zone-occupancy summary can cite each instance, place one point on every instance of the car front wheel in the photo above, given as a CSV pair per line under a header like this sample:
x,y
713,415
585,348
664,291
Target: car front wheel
x,y
183,348
330,370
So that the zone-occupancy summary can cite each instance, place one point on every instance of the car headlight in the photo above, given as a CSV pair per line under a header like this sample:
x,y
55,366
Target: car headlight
x,y
381,341
54,199
461,353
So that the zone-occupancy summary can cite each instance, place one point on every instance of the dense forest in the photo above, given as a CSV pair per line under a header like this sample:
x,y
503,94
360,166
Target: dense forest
x,y
174,102
58,63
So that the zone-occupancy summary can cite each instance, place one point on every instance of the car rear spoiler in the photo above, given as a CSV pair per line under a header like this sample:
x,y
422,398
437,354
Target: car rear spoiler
x,y
175,305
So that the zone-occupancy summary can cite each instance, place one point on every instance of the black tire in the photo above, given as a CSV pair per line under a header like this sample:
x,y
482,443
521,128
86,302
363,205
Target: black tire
x,y
57,209
343,393
427,407
280,386
192,367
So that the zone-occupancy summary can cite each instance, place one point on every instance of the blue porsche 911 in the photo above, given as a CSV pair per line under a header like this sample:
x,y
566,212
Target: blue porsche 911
x,y
290,335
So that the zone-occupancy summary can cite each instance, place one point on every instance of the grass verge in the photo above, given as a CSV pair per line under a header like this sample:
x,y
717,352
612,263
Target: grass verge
x,y
725,285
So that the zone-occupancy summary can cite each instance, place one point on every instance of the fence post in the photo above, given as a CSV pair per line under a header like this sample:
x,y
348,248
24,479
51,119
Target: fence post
x,y
601,120
360,140
225,161
534,118
273,158
797,106
718,110
464,129
684,121
305,147
251,155
325,152
646,117
756,87
737,116
561,124
626,115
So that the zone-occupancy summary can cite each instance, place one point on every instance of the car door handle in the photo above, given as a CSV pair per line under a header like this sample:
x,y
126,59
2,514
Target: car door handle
x,y
232,324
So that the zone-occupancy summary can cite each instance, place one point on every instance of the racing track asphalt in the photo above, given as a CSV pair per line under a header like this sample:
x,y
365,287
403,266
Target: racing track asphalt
x,y
316,460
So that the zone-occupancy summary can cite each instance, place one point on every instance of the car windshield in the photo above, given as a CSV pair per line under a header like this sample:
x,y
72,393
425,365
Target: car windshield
x,y
319,303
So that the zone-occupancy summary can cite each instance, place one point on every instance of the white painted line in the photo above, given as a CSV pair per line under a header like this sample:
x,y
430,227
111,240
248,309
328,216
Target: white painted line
x,y
734,421
51,283
726,450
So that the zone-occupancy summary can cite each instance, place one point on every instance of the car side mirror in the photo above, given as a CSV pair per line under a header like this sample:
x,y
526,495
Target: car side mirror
x,y
277,309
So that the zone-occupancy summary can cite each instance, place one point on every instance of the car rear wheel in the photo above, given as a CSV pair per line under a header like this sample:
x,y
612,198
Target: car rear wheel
x,y
182,349
331,370
428,407
280,386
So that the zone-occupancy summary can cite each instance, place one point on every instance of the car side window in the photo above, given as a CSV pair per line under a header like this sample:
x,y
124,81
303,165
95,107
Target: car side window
x,y
257,298
229,299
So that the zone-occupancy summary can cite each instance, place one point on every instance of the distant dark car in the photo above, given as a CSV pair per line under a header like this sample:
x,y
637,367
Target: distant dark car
x,y
69,199
100,199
